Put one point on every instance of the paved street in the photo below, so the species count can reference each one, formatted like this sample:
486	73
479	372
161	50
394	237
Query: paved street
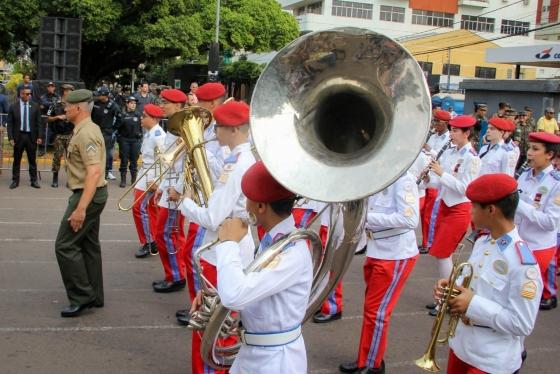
136	331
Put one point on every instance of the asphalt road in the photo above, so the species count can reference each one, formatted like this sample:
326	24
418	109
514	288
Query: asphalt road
136	331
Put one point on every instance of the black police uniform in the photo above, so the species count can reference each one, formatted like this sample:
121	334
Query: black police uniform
46	101
130	142
107	117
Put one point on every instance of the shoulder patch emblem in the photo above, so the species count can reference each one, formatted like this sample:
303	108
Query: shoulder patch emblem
91	149
529	290
525	254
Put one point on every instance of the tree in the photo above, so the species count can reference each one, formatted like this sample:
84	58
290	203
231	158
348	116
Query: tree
120	34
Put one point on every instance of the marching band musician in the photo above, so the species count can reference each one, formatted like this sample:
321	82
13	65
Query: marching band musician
145	211
459	166
170	237
227	200
500	307
496	156
209	95
392	216
436	141
271	302
538	214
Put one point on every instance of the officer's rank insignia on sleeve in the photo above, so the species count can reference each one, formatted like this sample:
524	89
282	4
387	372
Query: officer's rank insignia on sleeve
91	149
529	290
408	212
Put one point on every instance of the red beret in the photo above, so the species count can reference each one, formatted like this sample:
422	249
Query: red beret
210	91
232	113
153	111
463	122
260	186
500	123
442	115
544	137
490	188
174	96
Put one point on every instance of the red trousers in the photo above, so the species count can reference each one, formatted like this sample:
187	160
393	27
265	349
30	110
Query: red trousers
452	224
195	238
198	365
384	282
333	302
456	366
145	213
170	240
546	259
426	213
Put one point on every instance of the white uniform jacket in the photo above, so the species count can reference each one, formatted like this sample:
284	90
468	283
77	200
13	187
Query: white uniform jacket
393	211
436	142
215	154
507	286
174	176
326	222
538	213
226	201
497	158
460	167
152	139
417	167
272	300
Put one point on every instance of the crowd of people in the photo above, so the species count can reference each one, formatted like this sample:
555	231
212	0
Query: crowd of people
495	176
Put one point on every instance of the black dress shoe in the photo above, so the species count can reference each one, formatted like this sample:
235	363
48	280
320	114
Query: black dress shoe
34	184
324	318
143	251
158	282
167	287
423	250
153	248
431	306
13	185
349	367
433	312
75	310
183	320
548	304
182	313
361	251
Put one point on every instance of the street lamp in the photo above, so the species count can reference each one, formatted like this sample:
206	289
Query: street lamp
214	53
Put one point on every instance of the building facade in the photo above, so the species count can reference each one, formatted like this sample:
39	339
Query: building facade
462	21
547	14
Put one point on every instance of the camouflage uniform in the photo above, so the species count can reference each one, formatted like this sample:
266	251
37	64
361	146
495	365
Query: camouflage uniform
62	130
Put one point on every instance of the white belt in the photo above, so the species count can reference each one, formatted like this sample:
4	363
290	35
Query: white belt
270	339
375	235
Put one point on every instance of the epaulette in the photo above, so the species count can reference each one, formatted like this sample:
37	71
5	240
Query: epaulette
157	132
555	174
525	254
473	152
507	147
232	159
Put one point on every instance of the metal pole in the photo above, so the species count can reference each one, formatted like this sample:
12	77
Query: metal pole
217	38
132	79
214	52
448	68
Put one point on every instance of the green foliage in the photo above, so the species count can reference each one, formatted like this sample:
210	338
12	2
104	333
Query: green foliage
15	79
242	71
120	34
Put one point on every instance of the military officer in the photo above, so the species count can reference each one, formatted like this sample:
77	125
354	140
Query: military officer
500	308
538	214
392	216
226	201
145	211
495	156
77	246
106	114
459	166
271	302
170	236
62	129
130	140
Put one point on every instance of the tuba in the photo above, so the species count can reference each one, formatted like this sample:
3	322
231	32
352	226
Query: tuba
336	116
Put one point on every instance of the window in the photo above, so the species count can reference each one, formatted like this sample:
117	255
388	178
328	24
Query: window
352	9
315	8
429	18
299	11
482	72
514	27
391	14
474	23
426	66
451	69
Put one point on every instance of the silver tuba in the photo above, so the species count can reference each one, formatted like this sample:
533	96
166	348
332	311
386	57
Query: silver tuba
336	116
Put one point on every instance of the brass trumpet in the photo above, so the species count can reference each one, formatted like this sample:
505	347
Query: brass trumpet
428	361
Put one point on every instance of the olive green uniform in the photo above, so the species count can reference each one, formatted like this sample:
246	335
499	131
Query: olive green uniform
79	253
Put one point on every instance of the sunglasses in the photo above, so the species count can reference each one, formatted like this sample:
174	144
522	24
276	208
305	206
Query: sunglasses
25	93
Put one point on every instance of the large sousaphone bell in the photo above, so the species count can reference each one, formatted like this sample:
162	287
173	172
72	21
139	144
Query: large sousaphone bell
336	116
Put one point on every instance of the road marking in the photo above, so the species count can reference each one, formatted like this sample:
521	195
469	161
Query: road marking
89	328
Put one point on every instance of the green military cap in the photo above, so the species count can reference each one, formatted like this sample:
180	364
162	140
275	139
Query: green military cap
79	96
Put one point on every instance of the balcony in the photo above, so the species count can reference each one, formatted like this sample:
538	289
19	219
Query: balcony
475	3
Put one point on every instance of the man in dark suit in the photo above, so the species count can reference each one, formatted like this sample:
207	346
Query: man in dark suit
24	122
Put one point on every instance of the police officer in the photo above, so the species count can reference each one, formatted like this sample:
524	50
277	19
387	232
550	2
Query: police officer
130	140
77	246
46	101
62	130
106	114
